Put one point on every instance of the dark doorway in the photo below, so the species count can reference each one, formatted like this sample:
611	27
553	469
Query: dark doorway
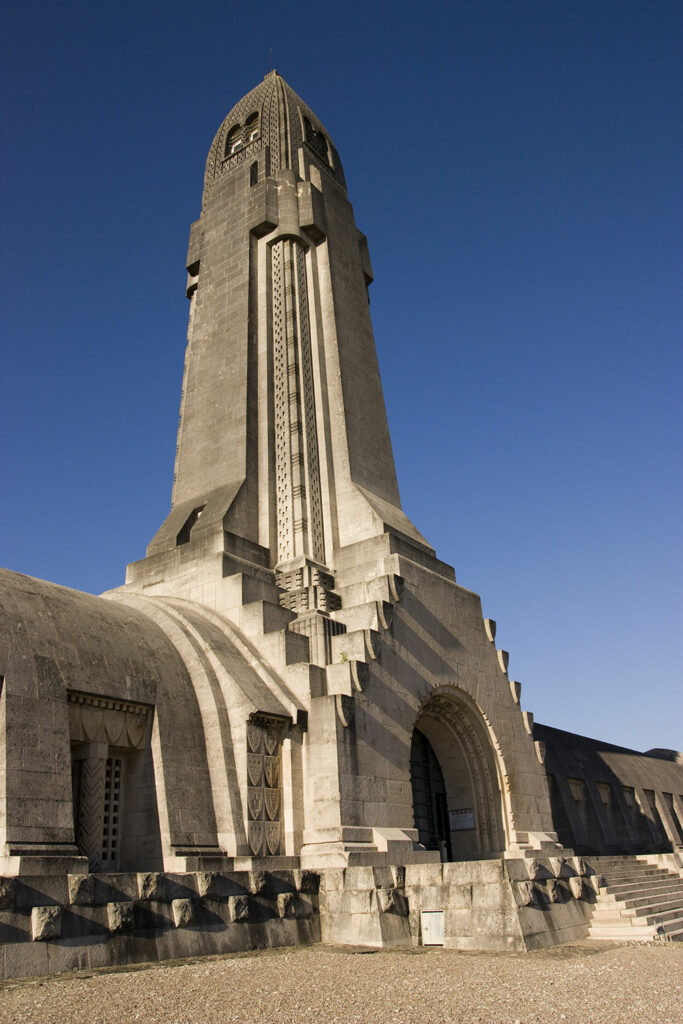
429	797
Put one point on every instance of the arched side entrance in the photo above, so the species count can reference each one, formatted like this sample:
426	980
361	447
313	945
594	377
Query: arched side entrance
457	802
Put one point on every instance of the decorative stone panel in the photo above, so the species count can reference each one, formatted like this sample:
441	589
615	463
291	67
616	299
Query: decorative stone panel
264	792
117	723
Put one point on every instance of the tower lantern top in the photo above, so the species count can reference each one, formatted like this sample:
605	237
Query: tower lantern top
271	118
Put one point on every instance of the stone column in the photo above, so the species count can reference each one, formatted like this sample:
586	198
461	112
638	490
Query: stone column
90	812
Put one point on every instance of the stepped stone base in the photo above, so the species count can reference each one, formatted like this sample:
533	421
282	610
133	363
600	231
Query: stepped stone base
55	923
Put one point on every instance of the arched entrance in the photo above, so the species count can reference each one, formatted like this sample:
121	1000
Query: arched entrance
430	805
457	804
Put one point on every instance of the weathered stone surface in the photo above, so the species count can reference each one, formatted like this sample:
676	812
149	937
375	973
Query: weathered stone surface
120	917
7	893
307	881
151	886
238	908
524	893
46	923
81	890
259	883
183	912
286	904
576	885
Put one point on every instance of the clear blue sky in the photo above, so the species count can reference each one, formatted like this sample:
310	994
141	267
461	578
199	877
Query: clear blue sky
517	169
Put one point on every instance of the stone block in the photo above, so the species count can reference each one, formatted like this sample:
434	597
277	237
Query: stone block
7	893
539	869
391	901
258	883
238	908
286	904
41	891
426	874
81	890
151	886
46	923
332	879
561	867
576	887
456	896
516	869
473	872
524	893
216	886
26	959
115	888
120	917
399	873
307	881
359	878
554	890
357	901
489	896
383	877
183	912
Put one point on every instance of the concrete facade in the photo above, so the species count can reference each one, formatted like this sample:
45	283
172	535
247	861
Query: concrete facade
290	691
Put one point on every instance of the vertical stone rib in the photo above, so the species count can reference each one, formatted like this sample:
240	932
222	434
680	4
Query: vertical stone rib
314	514
299	504
283	480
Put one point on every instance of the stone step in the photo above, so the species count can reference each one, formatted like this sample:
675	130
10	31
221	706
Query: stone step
629	871
610	881
606	915
621	933
260	617
670	898
284	648
673	924
627	865
381	588
627	889
376	615
657	907
241	588
661	918
636	901
661	876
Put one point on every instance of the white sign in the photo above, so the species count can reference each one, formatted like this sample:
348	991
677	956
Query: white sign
462	819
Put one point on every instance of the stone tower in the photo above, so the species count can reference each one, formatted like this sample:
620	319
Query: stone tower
286	523
283	455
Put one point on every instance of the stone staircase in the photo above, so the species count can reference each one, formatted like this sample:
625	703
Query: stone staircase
637	901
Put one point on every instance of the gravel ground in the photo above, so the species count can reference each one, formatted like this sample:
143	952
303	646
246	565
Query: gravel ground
575	984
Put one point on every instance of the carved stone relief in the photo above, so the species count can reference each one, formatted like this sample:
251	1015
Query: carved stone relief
264	793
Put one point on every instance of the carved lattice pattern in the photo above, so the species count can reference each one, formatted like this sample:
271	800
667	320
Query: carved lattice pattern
111	832
297	469
90	810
